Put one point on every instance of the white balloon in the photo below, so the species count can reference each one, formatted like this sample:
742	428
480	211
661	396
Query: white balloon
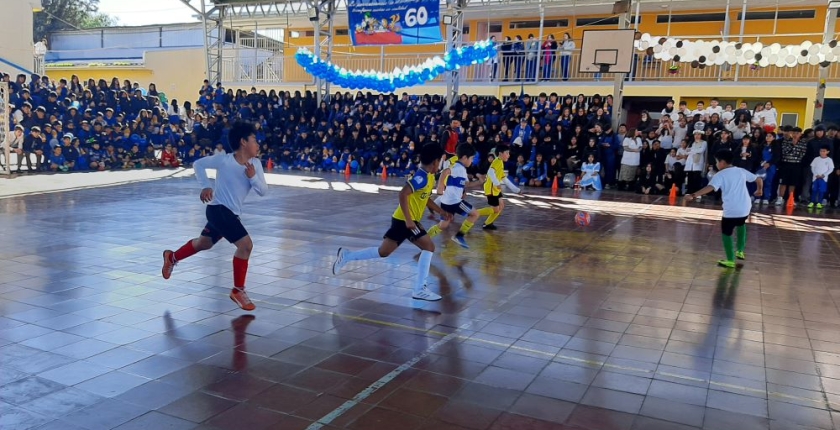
645	37
814	49
657	49
780	62
765	52
682	52
749	55
806	44
836	50
672	51
830	57
711	58
763	62
746	47
742	61
813	60
757	47
730	50
731	59
774	58
802	60
790	59
720	60
645	44
775	48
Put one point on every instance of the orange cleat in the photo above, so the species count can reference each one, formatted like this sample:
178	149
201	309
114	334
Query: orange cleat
168	264
241	299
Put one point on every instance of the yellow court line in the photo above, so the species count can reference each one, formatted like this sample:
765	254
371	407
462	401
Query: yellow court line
595	363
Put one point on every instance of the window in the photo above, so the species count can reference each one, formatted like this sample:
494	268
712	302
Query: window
697	17
783	14
536	24
495	28
602	21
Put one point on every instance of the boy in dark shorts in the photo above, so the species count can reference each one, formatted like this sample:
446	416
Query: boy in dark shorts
732	182
454	182
414	199
496	177
237	174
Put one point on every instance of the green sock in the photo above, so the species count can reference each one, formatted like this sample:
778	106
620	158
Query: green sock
742	238
727	247
465	227
434	230
485	211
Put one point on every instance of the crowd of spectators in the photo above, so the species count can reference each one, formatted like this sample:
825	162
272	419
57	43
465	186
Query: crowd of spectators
64	126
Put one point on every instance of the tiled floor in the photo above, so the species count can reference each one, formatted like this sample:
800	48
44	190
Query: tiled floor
626	324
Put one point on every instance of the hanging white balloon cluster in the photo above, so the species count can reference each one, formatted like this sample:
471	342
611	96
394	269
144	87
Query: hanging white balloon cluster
702	53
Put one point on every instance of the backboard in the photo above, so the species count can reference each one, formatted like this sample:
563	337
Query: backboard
606	51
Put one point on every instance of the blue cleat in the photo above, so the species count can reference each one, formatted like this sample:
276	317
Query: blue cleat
459	239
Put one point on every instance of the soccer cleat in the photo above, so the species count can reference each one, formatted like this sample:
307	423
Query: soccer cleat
490	227
740	255
726	263
811	205
168	264
459	239
339	261
819	205
425	294
241	299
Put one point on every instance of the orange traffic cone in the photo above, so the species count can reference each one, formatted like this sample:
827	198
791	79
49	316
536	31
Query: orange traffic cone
384	173
577	183
270	164
673	194
347	169
791	203
554	185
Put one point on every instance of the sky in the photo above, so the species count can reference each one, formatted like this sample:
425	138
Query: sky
147	12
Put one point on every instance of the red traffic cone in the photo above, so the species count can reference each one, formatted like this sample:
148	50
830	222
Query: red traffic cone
270	165
384	173
347	169
554	185
791	203
673	194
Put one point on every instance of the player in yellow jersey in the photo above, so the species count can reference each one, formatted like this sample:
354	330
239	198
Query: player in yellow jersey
414	199
496	177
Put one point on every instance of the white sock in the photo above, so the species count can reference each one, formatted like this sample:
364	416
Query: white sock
363	254
422	270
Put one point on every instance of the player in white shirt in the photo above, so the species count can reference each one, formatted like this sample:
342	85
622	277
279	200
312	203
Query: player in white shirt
821	167
732	182
452	188
237	174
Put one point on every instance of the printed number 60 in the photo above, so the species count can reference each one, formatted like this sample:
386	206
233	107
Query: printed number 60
416	16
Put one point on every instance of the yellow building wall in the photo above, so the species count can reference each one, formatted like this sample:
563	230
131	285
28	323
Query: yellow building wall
166	69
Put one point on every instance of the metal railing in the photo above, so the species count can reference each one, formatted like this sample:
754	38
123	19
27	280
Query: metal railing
282	68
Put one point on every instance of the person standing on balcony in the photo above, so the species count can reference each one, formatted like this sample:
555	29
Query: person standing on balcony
494	62
506	51
549	49
532	48
519	56
566	49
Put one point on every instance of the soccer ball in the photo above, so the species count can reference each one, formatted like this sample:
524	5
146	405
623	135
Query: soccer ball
583	219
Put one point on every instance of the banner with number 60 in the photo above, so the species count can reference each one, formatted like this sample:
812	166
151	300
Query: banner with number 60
394	22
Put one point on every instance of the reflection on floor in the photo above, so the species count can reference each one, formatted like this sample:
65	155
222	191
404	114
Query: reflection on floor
625	324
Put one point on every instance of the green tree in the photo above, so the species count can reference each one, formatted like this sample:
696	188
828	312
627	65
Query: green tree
60	15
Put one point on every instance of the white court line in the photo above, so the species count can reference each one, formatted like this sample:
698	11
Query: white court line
381	382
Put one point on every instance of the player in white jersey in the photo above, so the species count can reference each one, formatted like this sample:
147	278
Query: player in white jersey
452	187
236	175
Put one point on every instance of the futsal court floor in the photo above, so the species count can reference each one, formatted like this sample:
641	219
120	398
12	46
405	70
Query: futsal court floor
624	324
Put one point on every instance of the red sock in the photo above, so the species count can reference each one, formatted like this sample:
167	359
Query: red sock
240	269
185	251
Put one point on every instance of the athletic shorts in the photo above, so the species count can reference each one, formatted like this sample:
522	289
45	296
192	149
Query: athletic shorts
399	232
222	223
727	225
791	174
494	200
463	208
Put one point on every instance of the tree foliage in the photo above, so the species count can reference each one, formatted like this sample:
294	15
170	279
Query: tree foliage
60	15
